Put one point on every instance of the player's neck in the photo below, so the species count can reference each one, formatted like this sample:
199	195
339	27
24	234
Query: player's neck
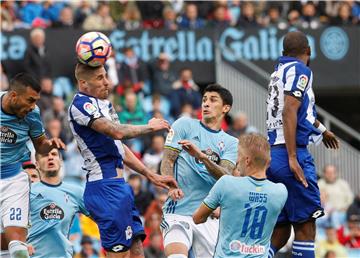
5	104
213	124
51	180
257	174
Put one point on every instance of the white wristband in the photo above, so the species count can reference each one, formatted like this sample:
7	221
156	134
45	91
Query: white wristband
321	128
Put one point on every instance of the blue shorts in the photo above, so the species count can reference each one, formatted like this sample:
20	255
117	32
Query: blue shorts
110	203
303	203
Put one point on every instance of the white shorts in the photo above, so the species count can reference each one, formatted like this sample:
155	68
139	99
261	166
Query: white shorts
201	238
14	201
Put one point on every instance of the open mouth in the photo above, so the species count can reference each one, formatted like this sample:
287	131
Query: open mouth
51	164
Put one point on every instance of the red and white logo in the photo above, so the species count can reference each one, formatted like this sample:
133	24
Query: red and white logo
238	247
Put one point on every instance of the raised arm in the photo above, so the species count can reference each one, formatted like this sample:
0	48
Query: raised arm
126	131
134	163
43	145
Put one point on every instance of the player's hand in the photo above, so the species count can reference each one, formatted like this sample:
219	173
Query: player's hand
31	249
166	182
298	171
157	124
330	141
57	143
216	213
191	148
175	194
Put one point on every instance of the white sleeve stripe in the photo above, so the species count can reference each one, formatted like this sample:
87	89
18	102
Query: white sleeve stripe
78	116
290	77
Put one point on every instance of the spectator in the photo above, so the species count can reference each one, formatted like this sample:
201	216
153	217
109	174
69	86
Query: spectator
31	169
273	18
101	20
51	10
241	125
131	18
162	76
132	70
152	224
169	18
153	156
66	19
8	15
82	12
330	254
234	9
338	191
184	91
36	60
58	112
344	17
309	19
190	19
331	243
294	18
350	236
155	248
46	100
132	113
3	79
151	13
142	198
31	10
247	17
353	211
87	249
53	128
219	20
118	8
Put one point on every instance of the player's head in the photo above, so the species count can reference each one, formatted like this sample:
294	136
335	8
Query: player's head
216	102
92	81
32	171
24	92
296	44
49	164
253	154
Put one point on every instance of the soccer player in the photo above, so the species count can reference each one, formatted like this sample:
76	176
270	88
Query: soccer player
292	125
53	205
20	122
249	205
98	132
197	153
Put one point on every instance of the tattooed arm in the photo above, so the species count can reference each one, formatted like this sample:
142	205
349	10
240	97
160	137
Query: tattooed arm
126	131
224	168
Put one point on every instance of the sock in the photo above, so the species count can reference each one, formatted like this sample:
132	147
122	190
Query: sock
18	249
272	251
303	249
177	256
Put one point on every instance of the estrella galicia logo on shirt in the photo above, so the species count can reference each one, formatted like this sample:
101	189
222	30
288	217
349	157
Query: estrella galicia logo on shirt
52	211
7	135
212	155
334	43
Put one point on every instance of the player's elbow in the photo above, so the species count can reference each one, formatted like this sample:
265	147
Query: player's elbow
197	219
118	135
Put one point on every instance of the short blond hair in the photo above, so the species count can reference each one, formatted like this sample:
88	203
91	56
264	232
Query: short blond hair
257	146
83	71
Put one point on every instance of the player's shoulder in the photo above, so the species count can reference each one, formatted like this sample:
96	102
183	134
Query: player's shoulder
230	139
34	114
72	188
185	122
301	68
81	99
278	188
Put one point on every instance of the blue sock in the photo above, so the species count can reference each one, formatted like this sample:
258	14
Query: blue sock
303	249
272	251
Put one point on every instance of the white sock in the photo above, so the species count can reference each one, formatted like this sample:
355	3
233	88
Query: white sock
177	256
18	249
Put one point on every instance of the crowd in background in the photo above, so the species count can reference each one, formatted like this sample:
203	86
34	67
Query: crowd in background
144	90
172	15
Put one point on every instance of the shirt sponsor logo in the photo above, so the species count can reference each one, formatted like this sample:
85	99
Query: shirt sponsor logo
170	136
52	211
211	155
90	108
238	247
302	82
7	135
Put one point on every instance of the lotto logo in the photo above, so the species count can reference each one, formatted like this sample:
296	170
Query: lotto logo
318	214
117	248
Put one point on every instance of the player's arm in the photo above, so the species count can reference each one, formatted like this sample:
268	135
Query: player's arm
329	138
134	163
202	213
127	131
225	167
289	116
43	145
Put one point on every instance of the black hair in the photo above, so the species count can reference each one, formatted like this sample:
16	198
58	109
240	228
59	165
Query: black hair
224	93
23	80
295	44
134	176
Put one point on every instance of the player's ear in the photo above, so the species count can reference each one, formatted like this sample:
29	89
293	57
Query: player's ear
226	109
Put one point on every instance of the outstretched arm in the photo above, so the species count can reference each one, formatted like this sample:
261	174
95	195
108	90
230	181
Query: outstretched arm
134	163
126	131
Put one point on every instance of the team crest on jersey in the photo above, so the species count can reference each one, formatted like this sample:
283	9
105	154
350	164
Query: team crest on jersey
90	108
170	136
7	135
128	233
52	212
221	146
302	82
212	155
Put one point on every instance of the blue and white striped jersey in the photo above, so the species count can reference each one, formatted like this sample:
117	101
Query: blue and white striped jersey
102	154
291	77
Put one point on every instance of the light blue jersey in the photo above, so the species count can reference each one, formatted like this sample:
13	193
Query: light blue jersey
192	176
14	134
249	211
52	210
